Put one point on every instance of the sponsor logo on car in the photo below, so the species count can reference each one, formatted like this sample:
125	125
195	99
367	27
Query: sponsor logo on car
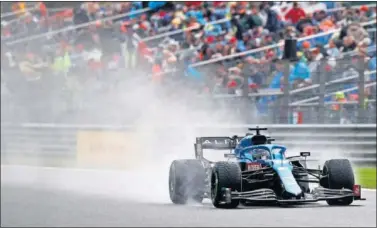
253	166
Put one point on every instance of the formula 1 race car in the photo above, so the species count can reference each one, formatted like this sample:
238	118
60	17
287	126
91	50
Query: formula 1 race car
261	173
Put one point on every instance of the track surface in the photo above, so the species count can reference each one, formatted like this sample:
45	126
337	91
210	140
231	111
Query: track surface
42	201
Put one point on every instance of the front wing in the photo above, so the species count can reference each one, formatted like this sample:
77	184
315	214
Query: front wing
268	196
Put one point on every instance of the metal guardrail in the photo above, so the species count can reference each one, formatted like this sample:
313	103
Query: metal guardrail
51	140
54	32
8	14
367	85
178	31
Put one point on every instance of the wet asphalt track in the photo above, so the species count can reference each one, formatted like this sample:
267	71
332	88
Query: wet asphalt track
28	204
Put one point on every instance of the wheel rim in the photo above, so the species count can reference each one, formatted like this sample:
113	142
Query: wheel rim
325	171
172	180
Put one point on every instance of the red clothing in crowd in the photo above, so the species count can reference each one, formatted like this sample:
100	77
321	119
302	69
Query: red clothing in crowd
68	13
156	73
95	65
43	9
217	3
143	49
196	4
295	14
232	84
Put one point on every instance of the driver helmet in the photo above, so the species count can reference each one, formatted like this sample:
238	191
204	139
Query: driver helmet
260	154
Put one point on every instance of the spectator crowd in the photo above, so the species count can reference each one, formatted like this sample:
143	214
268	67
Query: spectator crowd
159	37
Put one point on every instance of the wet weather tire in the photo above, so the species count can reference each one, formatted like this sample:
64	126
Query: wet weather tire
225	175
186	181
339	175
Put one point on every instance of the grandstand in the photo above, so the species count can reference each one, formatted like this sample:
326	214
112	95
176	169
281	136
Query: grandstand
220	49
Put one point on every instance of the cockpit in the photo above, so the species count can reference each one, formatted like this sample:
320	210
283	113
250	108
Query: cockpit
260	154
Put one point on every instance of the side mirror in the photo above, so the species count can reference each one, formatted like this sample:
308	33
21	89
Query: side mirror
304	154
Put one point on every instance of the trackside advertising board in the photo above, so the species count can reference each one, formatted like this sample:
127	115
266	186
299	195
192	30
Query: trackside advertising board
106	149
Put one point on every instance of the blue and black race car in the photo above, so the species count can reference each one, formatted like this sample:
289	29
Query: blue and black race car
261	173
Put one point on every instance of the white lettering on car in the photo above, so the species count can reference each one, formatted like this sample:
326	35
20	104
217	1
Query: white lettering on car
216	142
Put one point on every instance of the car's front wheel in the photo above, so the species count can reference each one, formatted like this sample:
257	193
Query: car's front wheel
225	175
338	174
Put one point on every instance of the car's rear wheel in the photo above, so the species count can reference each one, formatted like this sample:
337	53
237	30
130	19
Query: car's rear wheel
186	181
338	174
225	175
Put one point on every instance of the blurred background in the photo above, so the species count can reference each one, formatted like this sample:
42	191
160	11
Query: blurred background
103	63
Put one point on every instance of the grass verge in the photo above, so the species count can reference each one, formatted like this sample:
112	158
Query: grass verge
366	177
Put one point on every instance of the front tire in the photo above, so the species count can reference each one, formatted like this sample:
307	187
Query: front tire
339	175
225	175
186	181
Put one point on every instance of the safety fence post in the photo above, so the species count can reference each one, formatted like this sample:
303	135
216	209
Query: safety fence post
361	66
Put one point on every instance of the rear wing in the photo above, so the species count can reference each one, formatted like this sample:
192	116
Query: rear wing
218	143
214	143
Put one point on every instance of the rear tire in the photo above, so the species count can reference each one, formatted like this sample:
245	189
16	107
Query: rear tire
339	175
225	175
186	181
